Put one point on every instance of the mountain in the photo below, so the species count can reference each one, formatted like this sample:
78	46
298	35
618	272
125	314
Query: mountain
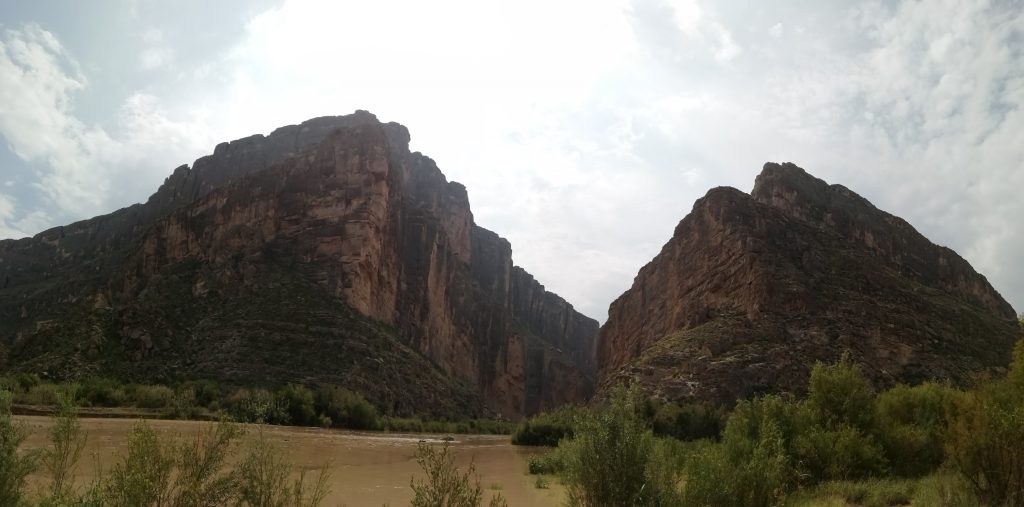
753	289
326	252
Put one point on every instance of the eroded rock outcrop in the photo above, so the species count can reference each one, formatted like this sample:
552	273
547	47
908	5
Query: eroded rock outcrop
752	289
336	212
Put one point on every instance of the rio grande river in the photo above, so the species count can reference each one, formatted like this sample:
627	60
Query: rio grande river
366	469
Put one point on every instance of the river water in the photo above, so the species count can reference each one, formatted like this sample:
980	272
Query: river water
366	469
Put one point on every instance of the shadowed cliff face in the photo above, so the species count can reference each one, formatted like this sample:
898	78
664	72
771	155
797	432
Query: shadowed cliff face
335	211
752	289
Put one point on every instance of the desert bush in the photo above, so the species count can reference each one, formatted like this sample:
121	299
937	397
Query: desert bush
184	405
15	466
753	465
265	479
773	444
40	394
298	403
257	406
60	459
943	489
444	485
866	493
201	476
25	381
689	421
1015	377
840	453
207	392
909	422
101	392
983	443
346	409
547	428
612	460
143	476
157	471
840	395
550	462
402	424
152	396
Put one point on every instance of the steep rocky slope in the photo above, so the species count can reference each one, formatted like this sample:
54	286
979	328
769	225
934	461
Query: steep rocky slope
752	289
324	252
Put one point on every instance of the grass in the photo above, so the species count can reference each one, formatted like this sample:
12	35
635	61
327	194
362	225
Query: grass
941	489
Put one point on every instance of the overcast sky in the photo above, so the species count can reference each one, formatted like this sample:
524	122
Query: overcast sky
584	130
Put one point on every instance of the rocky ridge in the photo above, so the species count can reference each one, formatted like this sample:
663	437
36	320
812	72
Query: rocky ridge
752	289
324	252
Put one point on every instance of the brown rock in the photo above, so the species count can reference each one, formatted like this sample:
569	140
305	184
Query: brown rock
753	289
331	215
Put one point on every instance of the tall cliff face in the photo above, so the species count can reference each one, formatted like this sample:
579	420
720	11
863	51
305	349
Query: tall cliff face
752	289
336	211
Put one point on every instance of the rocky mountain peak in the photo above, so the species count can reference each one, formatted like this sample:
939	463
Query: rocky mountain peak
752	289
324	252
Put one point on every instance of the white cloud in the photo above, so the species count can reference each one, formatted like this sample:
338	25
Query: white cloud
696	24
7	230
156	52
82	170
583	130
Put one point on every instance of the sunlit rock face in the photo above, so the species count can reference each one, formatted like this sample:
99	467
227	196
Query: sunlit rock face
753	289
324	252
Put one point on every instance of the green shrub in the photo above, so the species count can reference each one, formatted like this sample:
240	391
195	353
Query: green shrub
258	406
41	394
743	429
983	443
731	473
867	493
909	422
944	490
101	392
444	485
264	479
547	428
207	392
184	405
838	454
60	458
298	403
689	421
26	381
840	395
550	462
155	396
1016	375
14	465
143	476
611	459
195	473
346	409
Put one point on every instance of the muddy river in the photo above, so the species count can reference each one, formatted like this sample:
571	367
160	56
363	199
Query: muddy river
366	469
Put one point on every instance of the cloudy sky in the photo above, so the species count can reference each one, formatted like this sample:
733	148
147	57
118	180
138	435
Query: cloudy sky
584	130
